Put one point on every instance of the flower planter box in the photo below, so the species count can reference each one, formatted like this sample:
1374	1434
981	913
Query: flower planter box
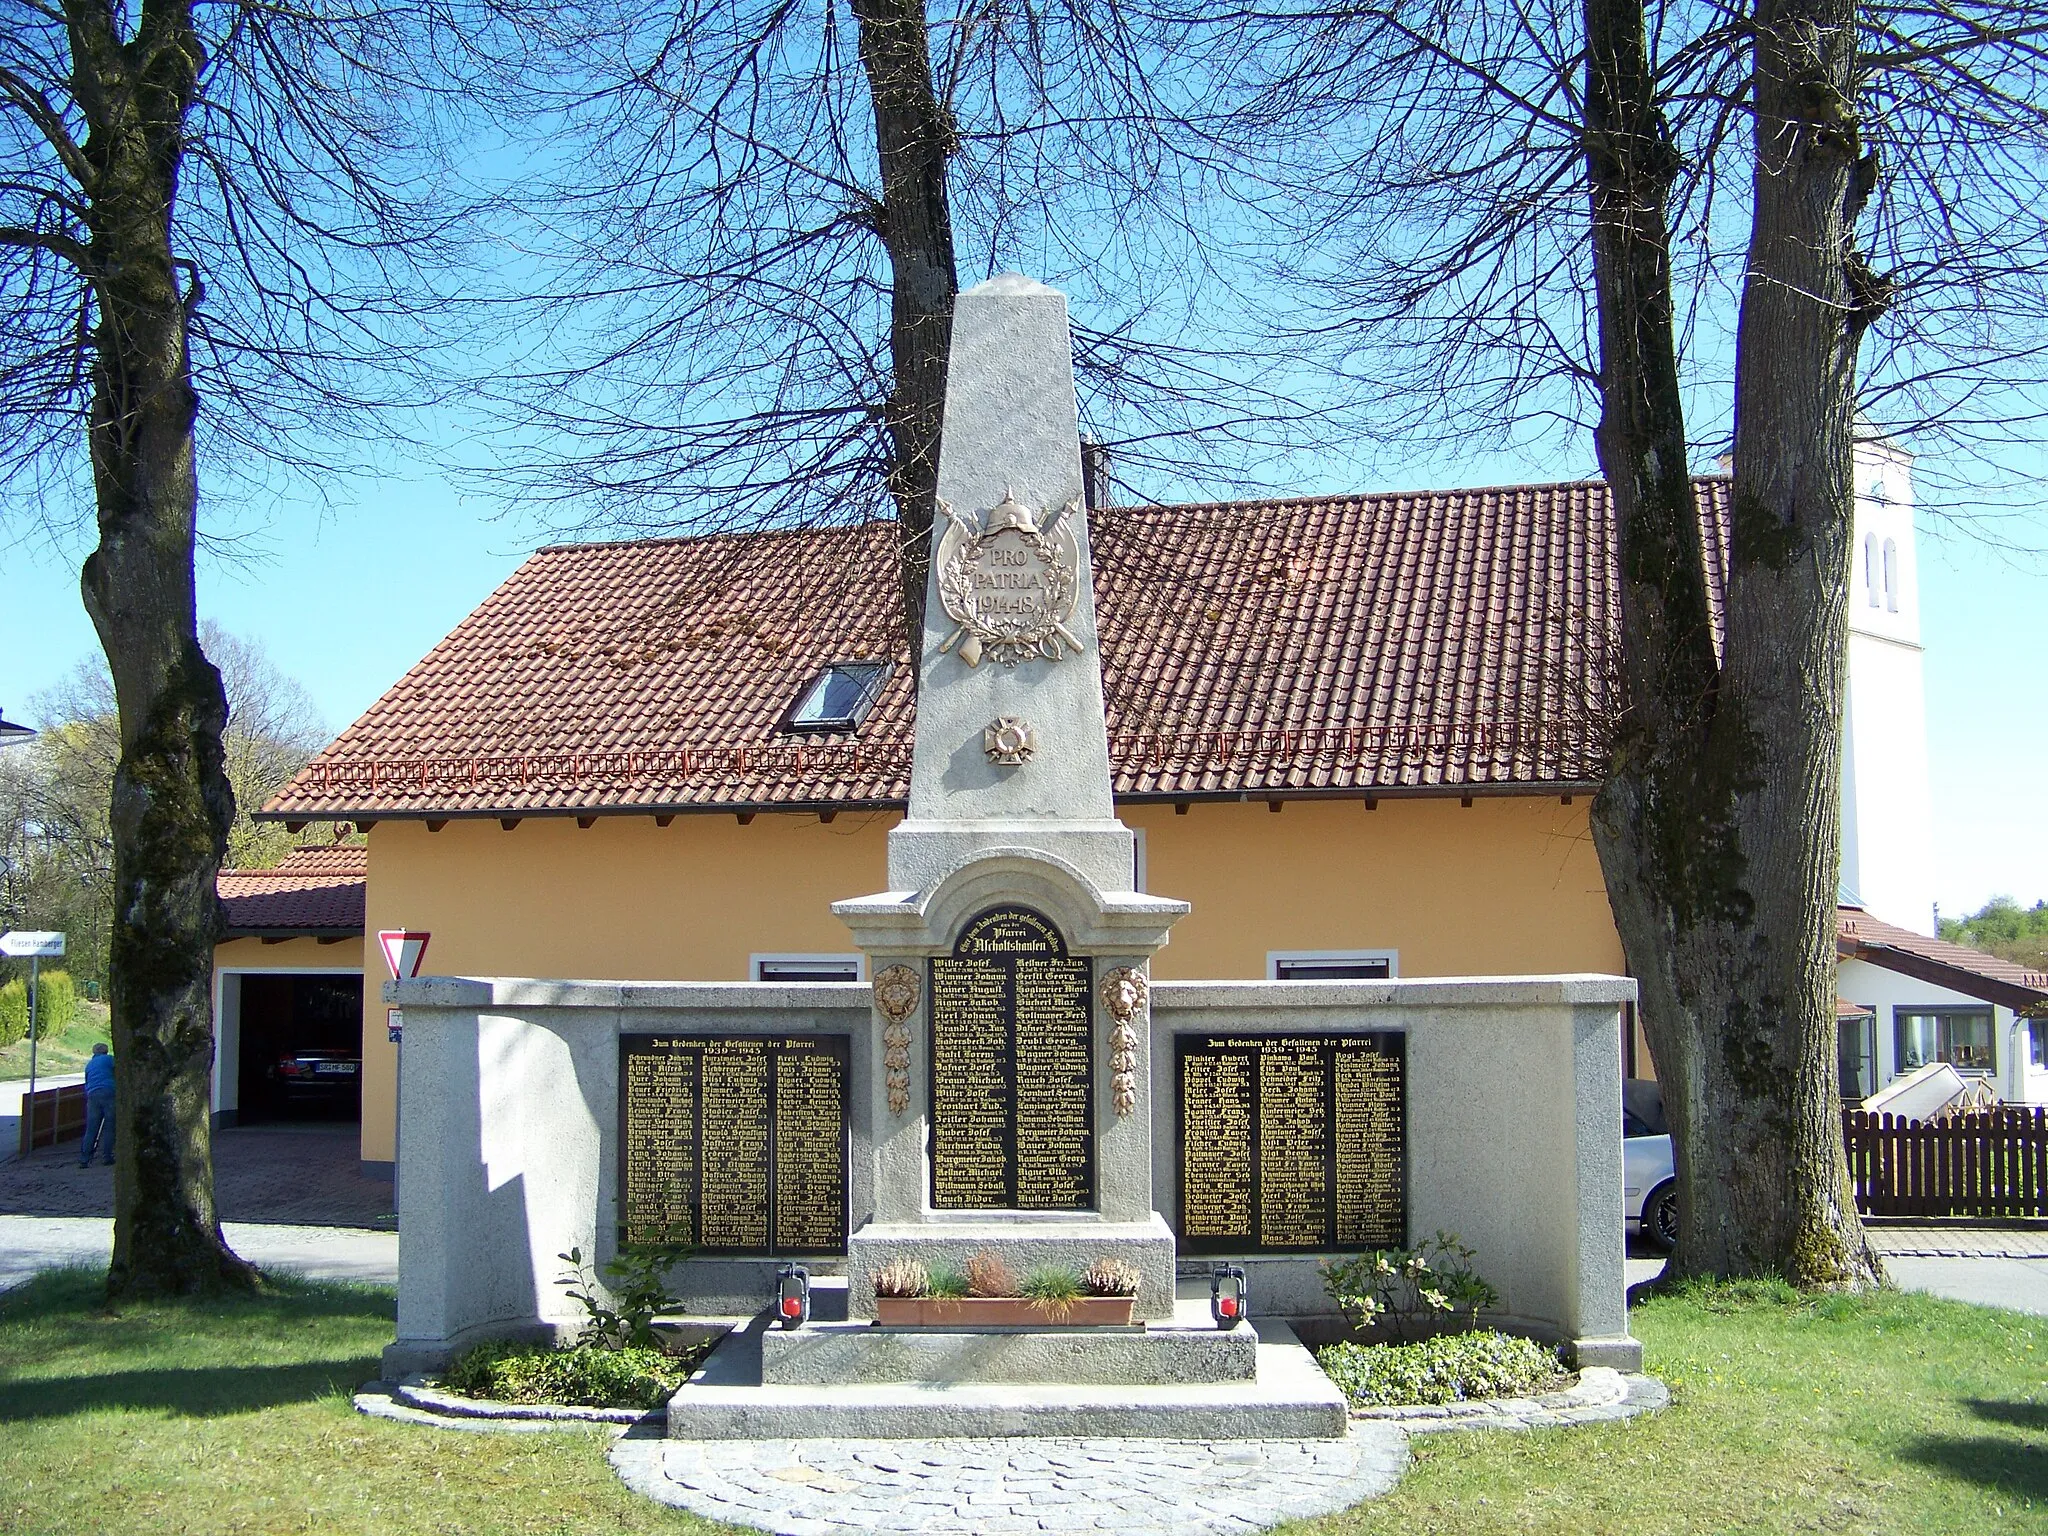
1002	1312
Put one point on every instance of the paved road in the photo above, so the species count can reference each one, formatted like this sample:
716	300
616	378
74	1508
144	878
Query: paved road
32	1243
2021	1284
300	1175
2001	1269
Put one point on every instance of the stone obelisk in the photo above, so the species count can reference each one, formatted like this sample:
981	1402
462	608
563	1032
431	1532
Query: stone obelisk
1010	454
1012	823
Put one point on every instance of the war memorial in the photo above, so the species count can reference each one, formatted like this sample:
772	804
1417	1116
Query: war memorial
1009	1082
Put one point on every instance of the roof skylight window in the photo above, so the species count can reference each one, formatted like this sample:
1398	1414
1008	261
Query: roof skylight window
839	697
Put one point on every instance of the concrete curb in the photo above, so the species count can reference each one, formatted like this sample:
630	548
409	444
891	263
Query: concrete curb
1599	1396
411	1402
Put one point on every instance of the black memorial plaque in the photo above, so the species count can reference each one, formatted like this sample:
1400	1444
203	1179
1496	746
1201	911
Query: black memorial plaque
734	1143
1013	1069
1292	1143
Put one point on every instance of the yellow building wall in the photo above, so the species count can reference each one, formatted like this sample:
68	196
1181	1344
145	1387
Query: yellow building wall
288	955
1506	886
621	900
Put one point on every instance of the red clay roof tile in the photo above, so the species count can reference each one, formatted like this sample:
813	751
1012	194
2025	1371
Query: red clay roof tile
1432	642
314	890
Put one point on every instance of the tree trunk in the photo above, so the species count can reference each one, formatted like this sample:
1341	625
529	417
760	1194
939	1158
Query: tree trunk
171	802
1718	827
915	140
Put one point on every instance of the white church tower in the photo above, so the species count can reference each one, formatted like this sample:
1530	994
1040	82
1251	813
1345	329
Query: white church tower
1887	805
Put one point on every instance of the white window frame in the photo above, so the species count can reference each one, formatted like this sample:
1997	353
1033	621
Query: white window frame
755	962
1275	957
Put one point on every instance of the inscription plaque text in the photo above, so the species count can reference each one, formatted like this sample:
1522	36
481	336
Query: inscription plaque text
735	1143
1013	1069
1292	1142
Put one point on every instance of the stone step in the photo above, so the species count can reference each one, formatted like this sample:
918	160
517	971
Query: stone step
854	1354
1289	1399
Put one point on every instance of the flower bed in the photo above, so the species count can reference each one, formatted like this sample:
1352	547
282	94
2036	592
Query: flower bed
986	1294
1452	1368
582	1375
1002	1312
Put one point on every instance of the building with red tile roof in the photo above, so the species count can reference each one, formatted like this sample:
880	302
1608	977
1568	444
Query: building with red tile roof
599	772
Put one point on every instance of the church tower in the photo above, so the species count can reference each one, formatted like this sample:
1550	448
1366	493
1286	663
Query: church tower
1887	804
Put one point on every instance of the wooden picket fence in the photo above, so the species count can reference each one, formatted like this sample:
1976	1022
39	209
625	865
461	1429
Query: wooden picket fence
1990	1163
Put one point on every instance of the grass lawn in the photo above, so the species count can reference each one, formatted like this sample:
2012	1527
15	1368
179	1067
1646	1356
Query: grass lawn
1887	1414
62	1052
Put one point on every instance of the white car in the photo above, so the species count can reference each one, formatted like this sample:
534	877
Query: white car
1649	1187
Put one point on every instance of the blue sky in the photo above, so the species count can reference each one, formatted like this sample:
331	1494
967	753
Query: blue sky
348	595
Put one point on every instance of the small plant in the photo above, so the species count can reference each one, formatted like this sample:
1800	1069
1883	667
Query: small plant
1411	1292
585	1375
620	1310
903	1277
1451	1369
1055	1288
988	1275
946	1284
1112	1277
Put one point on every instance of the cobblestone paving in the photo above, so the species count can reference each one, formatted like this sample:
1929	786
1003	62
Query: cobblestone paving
1013	1487
1958	1242
306	1175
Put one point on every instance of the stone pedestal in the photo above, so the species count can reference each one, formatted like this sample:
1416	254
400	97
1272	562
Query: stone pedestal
1011	812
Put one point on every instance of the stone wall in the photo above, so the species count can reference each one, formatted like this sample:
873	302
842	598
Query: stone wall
509	1109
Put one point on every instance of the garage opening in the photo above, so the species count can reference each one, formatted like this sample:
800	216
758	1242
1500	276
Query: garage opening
300	1048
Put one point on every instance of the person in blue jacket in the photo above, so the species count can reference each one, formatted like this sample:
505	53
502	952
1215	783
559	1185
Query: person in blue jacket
99	1104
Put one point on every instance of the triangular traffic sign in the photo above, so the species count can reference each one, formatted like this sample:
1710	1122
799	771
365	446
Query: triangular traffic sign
403	951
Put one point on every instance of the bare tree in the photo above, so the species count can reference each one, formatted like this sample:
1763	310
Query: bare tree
758	228
216	217
56	839
1726	155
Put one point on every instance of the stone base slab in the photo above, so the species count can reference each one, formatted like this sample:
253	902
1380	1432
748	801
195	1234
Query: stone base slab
1024	1241
1289	1399
1617	1352
848	1354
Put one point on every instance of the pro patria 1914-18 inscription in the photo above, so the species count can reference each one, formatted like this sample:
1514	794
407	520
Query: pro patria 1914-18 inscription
734	1143
1013	1082
1292	1142
1010	584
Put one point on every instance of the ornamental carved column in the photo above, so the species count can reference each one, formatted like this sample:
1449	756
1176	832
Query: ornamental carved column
1125	993
897	993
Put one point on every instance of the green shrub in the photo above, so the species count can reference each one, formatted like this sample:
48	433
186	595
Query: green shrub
56	1007
1408	1293
1450	1368
621	1308
13	1012
56	1004
583	1375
